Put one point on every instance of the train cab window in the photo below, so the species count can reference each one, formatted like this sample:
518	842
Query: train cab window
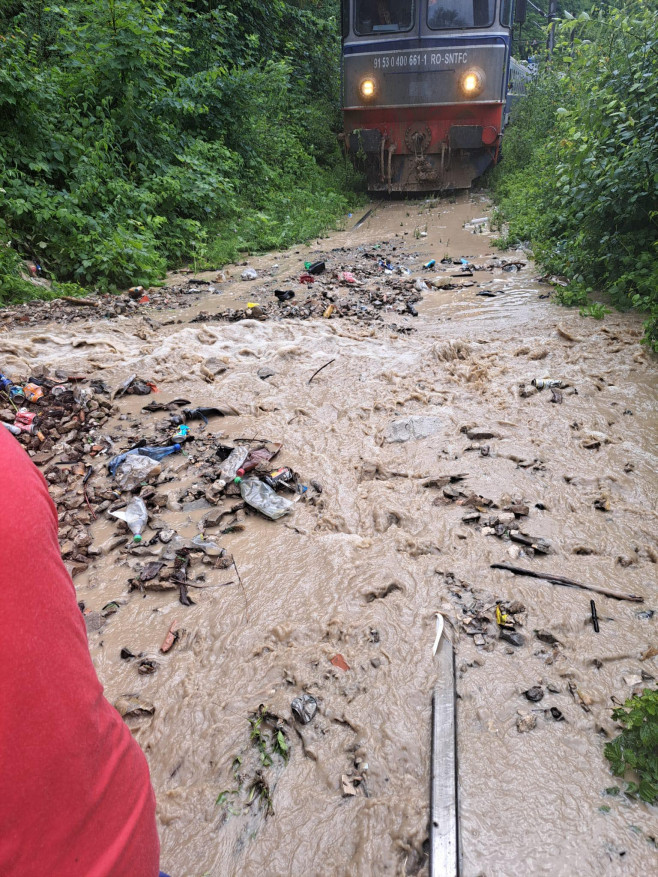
383	16
447	14
506	13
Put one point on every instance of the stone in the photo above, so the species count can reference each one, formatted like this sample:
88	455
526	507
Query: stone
480	433
526	723
415	427
513	637
535	694
546	636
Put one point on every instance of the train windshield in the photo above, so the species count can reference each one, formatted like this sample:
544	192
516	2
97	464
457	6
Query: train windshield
447	14
383	16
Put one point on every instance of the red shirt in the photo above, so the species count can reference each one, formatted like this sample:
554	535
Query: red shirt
75	793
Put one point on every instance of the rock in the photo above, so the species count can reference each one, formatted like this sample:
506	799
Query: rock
74	569
479	640
93	620
304	708
166	536
415	427
480	433
526	723
546	637
506	517
131	706
632	679
513	637
213	518
67	548
265	372
535	694
553	688
516	607
82	539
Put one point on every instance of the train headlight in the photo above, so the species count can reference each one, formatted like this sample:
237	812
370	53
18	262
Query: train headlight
472	82
367	89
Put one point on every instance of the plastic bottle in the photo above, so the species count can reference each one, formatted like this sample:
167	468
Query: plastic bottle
14	430
261	497
210	548
136	516
154	453
5	383
230	466
540	383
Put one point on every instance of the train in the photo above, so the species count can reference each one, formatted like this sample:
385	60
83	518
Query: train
425	88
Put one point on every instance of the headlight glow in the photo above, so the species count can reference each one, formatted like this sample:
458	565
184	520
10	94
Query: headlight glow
471	83
367	88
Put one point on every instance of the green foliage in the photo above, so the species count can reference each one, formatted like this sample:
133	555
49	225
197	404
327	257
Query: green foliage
595	310
579	178
136	135
636	748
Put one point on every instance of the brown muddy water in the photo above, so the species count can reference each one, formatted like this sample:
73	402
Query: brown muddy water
361	569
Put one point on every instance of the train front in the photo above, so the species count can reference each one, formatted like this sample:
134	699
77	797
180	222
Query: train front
424	86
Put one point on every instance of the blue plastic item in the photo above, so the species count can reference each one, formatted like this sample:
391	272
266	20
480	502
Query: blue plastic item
153	453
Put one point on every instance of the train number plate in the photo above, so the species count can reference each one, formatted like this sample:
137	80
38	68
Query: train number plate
420	61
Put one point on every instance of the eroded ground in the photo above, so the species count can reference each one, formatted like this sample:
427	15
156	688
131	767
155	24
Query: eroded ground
360	568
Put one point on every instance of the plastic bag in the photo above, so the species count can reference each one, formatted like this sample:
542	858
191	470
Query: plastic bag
261	497
135	469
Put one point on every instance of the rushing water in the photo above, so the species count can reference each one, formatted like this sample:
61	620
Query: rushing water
361	569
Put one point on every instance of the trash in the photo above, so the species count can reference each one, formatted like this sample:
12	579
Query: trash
340	662
329	311
229	468
307	278
5	383
264	499
249	274
526	723
132	707
284	294
347	277
277	477
569	583
430	264
14	430
204	413
156	454
347	784
182	432
540	383
135	469
315	267
304	708
317	371
136	516
542	546
170	638
257	457
557	714
135	386
535	694
421	286
146	667
126	654
136	292
33	392
595	617
24	420
415	427
212	549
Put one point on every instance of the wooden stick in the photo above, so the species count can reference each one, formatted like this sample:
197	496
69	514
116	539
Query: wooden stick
568	583
82	302
244	593
320	369
444	849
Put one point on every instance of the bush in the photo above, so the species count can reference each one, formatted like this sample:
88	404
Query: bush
580	174
636	748
137	136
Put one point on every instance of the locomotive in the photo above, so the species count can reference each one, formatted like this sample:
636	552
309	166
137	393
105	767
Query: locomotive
424	88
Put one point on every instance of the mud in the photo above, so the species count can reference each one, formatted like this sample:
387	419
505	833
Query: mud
359	569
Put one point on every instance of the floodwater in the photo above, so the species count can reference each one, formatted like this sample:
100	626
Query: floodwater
361	569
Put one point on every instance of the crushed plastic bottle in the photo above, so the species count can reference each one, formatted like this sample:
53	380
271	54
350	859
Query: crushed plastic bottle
135	469
540	383
136	516
261	497
230	466
210	548
154	453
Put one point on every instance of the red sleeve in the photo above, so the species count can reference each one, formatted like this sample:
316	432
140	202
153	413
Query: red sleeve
75	793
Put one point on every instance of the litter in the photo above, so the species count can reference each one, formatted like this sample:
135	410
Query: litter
264	499
249	274
136	516
304	708
569	583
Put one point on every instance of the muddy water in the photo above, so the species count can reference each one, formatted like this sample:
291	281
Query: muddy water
362	569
